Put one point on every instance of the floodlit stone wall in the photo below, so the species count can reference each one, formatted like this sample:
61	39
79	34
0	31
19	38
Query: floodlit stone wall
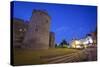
37	35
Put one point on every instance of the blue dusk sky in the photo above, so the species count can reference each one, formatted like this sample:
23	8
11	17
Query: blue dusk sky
67	21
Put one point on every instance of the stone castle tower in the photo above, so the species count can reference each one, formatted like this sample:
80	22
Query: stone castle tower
37	35
19	29
52	40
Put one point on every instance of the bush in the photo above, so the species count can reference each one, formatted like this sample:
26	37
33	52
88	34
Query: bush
65	46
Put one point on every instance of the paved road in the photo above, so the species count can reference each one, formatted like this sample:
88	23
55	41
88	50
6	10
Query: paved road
88	54
91	54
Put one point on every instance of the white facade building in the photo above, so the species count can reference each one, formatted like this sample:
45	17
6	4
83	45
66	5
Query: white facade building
82	43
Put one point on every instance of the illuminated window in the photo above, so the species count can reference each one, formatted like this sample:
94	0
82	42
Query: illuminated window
20	30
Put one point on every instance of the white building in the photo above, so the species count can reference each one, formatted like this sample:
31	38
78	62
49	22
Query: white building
82	43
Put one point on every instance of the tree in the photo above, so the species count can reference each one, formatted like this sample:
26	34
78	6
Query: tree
55	45
64	43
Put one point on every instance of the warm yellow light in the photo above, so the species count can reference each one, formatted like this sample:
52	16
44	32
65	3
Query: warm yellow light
73	44
85	46
77	42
